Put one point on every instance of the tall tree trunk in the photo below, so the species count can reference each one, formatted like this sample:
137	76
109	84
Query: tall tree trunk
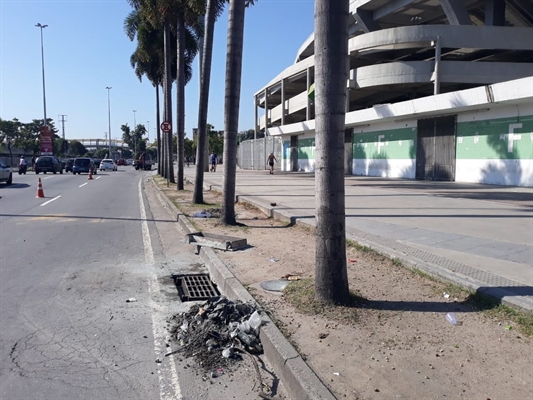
158	129
331	74
205	82
167	96
231	107
180	96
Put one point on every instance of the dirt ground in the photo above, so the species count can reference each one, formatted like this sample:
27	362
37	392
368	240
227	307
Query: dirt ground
397	342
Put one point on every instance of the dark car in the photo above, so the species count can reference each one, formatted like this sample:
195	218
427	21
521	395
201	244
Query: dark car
48	164
121	161
84	164
68	165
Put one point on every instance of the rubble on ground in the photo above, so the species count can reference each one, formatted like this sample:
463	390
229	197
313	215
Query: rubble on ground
216	333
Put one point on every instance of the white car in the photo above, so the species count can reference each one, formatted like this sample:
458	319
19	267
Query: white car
106	164
6	173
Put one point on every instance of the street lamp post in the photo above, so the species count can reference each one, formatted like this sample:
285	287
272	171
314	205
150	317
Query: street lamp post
134	126
109	117
39	25
148	131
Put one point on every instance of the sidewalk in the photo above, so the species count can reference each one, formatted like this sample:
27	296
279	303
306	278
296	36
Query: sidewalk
478	236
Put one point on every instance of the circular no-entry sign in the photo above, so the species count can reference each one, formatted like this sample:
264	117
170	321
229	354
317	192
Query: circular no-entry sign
166	126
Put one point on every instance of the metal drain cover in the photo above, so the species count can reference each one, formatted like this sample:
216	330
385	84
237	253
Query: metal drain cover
195	287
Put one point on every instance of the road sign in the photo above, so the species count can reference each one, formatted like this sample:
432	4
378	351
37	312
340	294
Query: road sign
166	126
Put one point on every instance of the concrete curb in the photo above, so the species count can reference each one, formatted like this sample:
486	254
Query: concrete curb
297	377
507	298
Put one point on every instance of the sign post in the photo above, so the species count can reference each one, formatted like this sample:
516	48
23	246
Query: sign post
166	127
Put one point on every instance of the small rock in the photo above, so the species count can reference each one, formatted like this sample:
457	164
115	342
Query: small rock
158	361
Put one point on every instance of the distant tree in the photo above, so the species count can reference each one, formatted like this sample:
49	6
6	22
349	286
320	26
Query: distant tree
216	141
60	146
77	148
9	131
188	146
249	135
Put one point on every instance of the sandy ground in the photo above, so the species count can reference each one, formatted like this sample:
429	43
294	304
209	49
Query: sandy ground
398	343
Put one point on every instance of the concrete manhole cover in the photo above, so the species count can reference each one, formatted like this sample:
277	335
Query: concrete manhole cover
276	285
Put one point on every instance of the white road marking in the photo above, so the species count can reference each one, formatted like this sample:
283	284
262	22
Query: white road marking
169	387
83	184
98	177
49	201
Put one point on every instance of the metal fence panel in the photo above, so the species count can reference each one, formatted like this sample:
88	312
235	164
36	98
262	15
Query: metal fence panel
252	154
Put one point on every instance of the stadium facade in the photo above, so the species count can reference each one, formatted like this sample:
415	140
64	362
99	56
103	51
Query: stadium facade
438	90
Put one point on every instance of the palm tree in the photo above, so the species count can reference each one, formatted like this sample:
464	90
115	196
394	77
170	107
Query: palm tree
162	13
231	105
331	74
147	60
188	31
213	10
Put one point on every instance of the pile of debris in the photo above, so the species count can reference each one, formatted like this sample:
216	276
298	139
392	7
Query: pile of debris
216	333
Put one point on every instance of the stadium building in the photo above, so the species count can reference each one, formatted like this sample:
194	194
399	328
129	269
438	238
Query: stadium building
437	90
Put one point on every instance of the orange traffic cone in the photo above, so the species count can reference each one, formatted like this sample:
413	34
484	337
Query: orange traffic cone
40	191
90	173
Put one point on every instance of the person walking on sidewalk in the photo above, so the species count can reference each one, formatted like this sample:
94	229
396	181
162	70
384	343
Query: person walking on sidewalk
271	158
213	161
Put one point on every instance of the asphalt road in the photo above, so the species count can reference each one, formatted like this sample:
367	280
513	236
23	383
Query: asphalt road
68	264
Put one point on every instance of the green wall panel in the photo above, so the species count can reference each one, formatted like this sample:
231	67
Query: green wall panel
505	138
306	149
389	144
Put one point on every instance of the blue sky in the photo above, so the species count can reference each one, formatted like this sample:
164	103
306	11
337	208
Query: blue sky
85	50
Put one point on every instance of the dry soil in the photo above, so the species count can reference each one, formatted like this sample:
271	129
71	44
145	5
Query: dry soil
397	342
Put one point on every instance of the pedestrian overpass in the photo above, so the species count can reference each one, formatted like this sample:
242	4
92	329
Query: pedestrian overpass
96	144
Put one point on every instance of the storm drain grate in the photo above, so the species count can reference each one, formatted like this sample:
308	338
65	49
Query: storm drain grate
195	287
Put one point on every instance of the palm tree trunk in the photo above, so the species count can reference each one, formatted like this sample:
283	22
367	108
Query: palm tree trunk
180	95
158	129
331	74
205	82
231	107
167	100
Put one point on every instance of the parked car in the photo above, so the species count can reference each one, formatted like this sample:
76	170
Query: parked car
106	164
48	164
6	173
69	164
129	161
121	161
84	164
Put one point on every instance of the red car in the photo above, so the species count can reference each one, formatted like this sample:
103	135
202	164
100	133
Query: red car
121	161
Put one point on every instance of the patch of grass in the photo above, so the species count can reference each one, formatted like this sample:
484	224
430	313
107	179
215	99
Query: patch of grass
397	262
301	295
350	244
490	306
493	309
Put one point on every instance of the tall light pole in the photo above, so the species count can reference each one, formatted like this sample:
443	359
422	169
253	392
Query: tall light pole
109	117
134	126
148	131
39	25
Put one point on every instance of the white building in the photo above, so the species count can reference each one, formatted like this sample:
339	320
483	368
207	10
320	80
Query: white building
438	89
